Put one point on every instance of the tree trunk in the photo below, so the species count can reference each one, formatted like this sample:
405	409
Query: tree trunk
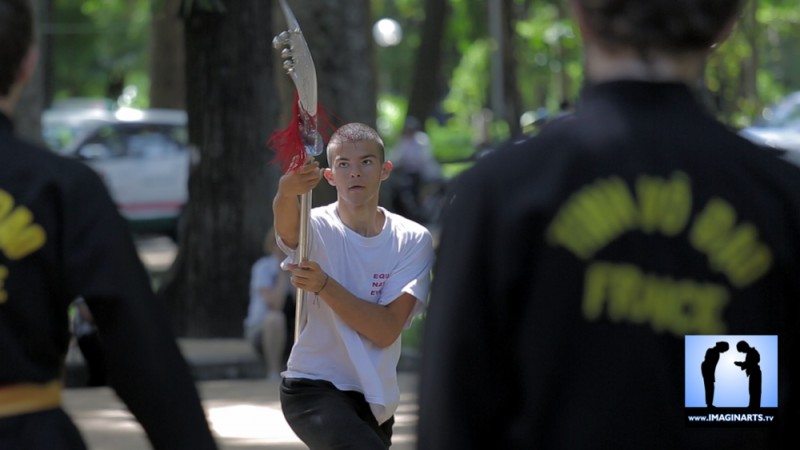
167	56
339	36
564	80
425	82
28	115
751	30
513	106
233	107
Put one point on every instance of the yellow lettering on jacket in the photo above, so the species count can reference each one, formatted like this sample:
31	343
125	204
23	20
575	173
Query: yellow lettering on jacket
604	210
625	293
664	205
593	217
600	212
19	235
733	249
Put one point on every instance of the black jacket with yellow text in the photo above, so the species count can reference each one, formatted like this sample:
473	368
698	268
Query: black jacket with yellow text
572	264
61	237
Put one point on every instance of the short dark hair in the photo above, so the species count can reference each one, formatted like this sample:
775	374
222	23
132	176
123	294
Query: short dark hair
16	37
355	132
671	25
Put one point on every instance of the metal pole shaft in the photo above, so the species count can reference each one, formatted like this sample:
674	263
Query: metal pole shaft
302	249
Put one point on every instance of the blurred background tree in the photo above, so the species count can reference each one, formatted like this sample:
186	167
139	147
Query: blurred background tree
754	68
101	46
475	72
232	107
167	56
36	93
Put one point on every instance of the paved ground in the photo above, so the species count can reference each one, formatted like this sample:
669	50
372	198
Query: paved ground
242	408
242	413
157	252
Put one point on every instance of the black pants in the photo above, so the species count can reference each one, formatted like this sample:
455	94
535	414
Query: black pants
45	430
324	417
708	382
754	388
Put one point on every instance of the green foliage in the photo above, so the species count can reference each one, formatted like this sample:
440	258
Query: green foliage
469	84
548	57
765	36
467	23
97	42
395	64
550	67
391	115
100	43
452	141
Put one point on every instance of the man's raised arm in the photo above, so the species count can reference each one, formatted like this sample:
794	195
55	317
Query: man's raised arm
285	206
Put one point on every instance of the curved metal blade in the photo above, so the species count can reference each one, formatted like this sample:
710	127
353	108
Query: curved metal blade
304	74
291	20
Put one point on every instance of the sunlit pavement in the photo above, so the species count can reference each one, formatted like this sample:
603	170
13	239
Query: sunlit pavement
242	414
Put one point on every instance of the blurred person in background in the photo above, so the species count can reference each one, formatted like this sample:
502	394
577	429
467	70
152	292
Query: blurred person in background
61	237
415	172
89	343
573	264
266	324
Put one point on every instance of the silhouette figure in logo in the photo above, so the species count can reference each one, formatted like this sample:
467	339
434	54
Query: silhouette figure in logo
753	371
709	366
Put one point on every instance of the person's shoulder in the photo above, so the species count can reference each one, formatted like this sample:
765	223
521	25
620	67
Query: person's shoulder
527	159
779	165
324	212
406	227
325	217
47	164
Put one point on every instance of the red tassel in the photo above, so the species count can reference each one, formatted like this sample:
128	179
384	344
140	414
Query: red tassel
288	142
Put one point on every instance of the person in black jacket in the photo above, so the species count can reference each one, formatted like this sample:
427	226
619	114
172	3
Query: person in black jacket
571	265
61	237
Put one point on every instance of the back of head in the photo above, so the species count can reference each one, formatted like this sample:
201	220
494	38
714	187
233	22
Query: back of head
742	346
667	25
16	37
355	132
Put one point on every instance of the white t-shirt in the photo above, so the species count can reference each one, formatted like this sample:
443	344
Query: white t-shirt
264	274
377	269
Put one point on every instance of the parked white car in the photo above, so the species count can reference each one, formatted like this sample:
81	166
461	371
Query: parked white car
62	126
779	127
144	159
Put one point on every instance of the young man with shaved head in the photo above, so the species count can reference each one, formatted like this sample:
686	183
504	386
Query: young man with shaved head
366	277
